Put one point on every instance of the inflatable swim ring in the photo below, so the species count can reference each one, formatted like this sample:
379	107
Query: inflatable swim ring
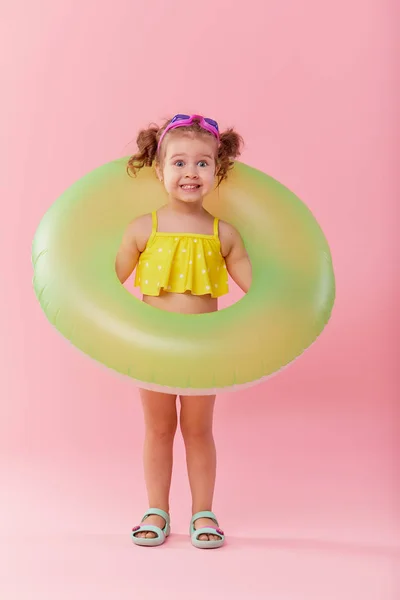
285	310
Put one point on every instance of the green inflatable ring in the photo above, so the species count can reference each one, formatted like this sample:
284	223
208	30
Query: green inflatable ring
286	308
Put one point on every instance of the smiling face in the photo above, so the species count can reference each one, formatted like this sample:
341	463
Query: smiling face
188	166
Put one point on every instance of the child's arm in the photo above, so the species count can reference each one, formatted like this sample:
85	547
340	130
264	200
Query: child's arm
133	243
128	254
236	257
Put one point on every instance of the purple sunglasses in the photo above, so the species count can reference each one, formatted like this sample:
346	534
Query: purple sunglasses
184	120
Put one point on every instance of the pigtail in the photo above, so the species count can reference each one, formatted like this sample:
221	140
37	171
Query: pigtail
229	148
146	141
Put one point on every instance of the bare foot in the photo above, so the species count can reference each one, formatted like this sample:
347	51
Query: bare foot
151	520
200	523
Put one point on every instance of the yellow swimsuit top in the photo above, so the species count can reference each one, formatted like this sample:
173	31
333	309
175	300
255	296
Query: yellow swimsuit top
181	262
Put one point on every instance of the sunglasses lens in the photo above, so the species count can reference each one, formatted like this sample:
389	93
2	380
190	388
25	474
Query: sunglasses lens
179	118
212	123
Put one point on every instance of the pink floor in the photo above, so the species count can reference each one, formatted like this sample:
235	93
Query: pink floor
107	566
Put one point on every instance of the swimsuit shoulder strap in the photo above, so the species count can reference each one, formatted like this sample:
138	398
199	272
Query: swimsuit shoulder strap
216	221
154	221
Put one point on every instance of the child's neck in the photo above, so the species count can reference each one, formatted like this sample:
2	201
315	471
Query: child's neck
185	208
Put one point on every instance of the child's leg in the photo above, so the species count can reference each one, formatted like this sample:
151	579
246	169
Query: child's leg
196	422
160	418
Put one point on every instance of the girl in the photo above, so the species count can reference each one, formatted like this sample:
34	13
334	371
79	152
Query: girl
182	255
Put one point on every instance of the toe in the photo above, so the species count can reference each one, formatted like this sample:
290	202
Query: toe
203	537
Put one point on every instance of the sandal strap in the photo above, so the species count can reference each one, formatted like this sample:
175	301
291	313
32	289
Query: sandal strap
209	531
153	528
204	514
159	513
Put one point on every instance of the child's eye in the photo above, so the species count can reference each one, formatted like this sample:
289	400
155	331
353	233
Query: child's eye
203	163
179	163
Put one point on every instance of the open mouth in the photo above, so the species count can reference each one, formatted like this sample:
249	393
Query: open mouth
189	187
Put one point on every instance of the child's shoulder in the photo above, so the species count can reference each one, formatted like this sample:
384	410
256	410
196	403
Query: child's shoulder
229	237
140	229
227	231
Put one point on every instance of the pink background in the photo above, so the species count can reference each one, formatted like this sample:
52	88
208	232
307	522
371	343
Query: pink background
308	487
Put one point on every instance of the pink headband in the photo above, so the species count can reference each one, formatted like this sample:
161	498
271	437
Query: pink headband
185	120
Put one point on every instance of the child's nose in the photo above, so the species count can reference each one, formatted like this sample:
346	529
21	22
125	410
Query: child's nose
192	172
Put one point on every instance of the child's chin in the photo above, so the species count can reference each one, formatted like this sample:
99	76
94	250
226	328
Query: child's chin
190	197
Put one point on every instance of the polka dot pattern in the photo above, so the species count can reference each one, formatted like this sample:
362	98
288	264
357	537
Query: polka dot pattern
180	262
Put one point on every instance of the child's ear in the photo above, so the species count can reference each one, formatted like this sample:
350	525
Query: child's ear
159	172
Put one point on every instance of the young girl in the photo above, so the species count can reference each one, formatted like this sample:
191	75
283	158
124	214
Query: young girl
182	255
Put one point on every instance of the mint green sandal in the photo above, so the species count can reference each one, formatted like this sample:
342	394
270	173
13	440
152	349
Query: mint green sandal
196	533
162	534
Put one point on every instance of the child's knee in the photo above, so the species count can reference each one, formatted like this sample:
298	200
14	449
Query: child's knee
192	431
161	431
